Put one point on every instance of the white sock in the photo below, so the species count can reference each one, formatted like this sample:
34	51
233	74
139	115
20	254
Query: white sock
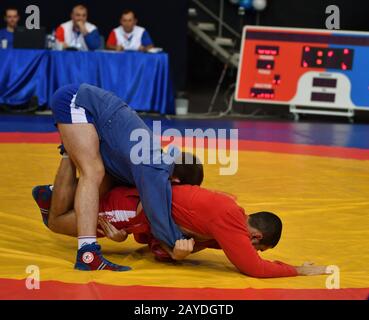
85	240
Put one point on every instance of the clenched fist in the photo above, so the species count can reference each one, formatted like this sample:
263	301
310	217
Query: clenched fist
182	248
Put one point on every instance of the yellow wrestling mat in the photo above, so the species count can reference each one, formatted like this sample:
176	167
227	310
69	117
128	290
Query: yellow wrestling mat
322	201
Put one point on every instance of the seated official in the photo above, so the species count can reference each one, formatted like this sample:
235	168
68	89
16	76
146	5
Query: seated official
129	36
77	33
11	18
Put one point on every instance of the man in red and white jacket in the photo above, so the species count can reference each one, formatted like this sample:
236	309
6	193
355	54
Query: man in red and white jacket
129	36
77	33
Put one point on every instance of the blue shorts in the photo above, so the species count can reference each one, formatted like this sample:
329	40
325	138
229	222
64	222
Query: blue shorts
64	109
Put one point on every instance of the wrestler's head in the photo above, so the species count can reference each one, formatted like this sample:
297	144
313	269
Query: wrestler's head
265	229
188	169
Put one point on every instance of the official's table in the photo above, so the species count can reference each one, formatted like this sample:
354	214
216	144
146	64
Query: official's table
140	79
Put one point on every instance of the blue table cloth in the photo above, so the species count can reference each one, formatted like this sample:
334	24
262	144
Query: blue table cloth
140	79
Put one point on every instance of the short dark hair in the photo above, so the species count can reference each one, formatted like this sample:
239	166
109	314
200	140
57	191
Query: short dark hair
127	11
269	224
81	6
188	169
10	8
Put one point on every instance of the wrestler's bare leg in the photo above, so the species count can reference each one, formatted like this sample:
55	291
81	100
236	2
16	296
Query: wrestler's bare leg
62	217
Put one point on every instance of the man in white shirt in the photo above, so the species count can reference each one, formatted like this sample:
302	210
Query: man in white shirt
129	36
77	33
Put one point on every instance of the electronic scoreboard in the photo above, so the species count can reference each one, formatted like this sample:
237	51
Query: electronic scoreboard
305	67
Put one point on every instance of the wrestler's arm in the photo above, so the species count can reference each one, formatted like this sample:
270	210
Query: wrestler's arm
238	248
155	192
180	251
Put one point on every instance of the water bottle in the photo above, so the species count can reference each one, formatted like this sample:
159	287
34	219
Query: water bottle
4	43
51	41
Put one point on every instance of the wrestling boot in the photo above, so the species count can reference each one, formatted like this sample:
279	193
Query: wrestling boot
89	258
42	196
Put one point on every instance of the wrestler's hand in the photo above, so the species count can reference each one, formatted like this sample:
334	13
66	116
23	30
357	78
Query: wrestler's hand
183	248
110	231
308	269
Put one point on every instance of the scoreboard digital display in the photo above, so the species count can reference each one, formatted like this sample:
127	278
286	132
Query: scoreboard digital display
317	57
306	67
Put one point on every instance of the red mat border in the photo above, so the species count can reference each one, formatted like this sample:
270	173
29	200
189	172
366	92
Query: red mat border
276	147
54	290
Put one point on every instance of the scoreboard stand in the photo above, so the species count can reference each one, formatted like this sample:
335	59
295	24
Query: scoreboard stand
296	111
